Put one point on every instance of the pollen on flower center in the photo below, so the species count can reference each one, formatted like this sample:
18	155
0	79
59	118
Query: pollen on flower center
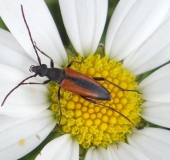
93	124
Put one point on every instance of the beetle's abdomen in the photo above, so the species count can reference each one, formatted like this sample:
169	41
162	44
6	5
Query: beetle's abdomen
84	86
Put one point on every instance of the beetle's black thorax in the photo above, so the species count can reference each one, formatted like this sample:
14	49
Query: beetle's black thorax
55	74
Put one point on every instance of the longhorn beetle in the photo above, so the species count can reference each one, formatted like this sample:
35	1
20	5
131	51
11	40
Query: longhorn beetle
69	79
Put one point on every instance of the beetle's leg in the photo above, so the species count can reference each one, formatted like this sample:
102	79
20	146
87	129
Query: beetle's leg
71	62
43	83
89	100
58	96
104	79
94	102
51	60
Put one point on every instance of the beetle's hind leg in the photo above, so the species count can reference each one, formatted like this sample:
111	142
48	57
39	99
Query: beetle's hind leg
104	79
94	102
73	61
59	107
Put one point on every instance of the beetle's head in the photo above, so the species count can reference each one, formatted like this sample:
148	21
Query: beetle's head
41	70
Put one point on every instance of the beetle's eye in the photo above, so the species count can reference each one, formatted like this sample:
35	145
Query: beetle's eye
31	67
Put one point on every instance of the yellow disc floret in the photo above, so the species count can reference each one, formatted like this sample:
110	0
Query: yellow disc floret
95	124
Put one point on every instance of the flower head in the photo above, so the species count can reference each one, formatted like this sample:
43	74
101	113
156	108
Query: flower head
137	41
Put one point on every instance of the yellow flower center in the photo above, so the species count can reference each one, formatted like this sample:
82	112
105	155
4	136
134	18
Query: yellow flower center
93	124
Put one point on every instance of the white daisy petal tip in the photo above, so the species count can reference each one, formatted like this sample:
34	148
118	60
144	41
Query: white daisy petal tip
64	147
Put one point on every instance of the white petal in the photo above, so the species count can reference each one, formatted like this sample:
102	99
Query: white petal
153	142
19	136
157	113
84	22
63	148
156	87
41	25
12	53
123	151
134	22
154	52
25	100
96	153
8	40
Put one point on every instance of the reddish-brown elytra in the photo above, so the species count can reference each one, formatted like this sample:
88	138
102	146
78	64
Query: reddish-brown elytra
68	79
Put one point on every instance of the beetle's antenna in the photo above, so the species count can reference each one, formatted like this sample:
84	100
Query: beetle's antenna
29	32
105	106
21	83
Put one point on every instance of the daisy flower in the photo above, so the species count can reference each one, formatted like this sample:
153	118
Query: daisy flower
137	41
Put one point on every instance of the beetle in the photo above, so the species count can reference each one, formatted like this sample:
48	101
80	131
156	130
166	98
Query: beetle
68	79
